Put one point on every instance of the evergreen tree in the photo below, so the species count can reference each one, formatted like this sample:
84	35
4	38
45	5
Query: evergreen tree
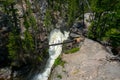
105	26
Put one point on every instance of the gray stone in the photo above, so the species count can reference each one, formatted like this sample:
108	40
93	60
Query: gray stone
5	74
90	63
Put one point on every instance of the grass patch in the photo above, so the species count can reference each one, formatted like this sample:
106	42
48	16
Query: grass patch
59	76
59	61
73	50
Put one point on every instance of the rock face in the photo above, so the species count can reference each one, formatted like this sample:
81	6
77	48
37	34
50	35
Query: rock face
90	63
5	74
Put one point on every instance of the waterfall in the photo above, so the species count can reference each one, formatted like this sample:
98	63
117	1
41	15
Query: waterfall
56	36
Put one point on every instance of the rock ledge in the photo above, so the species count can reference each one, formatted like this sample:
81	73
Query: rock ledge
89	63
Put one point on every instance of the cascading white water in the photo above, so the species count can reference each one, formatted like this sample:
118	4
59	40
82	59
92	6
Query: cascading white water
56	36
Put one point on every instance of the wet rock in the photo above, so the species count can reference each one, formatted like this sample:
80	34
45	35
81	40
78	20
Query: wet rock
5	74
90	63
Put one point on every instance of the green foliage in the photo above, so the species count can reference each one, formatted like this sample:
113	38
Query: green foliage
48	18
8	2
25	50
28	42
113	35
29	17
59	61
19	47
72	11
59	76
73	50
69	10
13	38
105	26
12	46
29	22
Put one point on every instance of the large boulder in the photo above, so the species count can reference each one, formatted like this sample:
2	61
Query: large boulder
90	63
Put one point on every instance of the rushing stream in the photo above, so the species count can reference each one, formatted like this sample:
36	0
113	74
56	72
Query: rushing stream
56	36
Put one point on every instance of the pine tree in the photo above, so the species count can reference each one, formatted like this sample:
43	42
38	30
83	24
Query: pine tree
105	26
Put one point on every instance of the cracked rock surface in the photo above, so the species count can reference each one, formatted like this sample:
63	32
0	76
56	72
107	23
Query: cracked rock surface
90	63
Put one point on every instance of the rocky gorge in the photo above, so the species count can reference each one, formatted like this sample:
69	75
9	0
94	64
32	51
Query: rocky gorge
27	51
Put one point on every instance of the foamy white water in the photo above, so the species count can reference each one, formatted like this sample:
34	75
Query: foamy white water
56	36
